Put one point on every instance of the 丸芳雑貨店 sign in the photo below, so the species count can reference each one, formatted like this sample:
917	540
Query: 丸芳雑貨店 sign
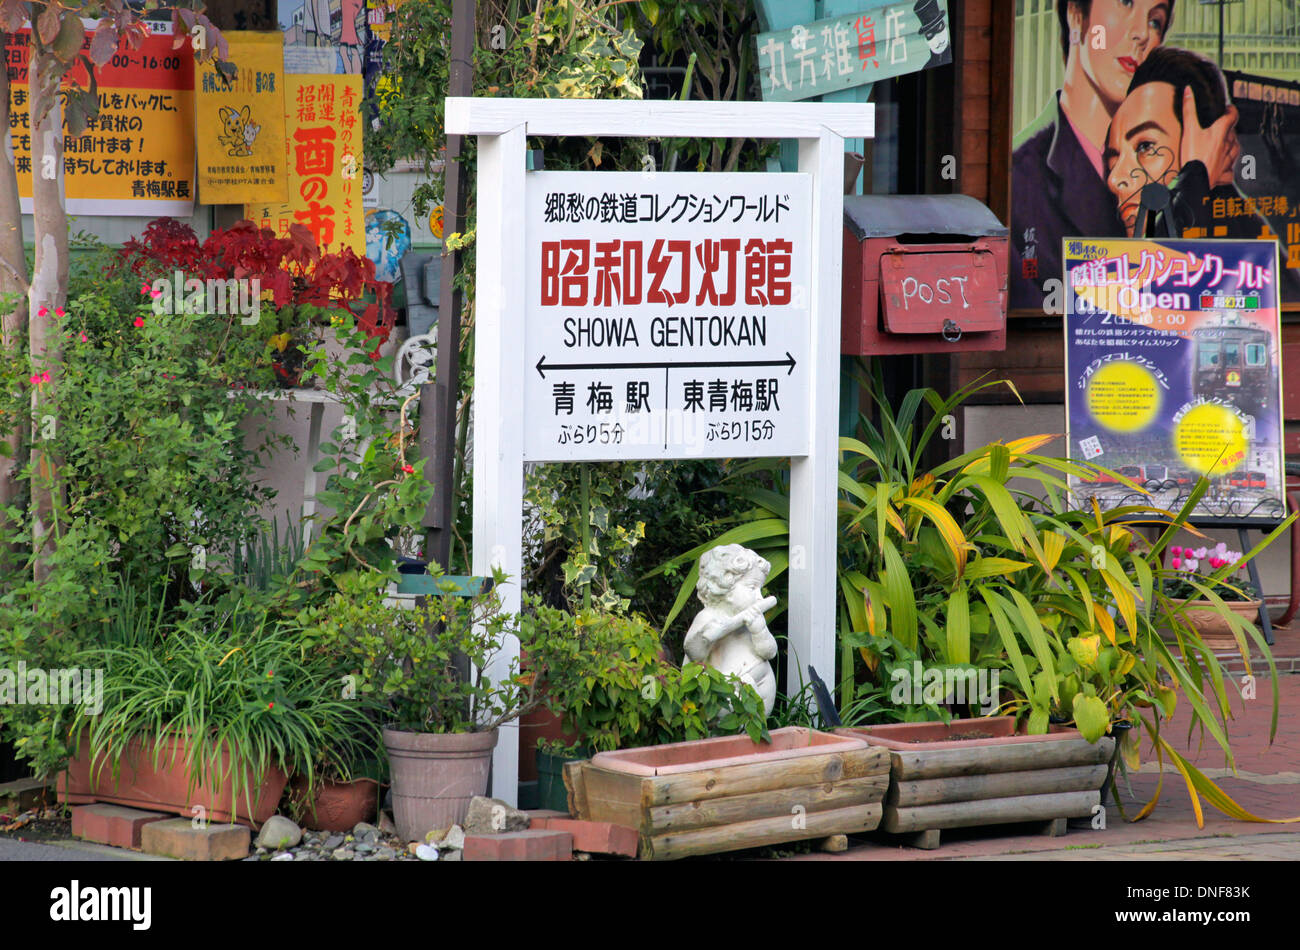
883	39
667	315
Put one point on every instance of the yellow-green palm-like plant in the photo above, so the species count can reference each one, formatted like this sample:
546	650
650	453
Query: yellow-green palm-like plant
980	561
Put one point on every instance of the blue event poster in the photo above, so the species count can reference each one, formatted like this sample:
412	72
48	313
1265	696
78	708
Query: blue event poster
1173	371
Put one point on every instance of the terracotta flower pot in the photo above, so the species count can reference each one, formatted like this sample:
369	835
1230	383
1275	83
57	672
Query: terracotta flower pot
167	787
335	806
434	777
1213	627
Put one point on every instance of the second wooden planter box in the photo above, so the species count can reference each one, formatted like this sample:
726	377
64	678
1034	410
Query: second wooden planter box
713	795
938	779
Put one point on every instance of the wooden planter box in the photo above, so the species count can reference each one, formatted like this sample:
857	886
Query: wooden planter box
713	795
938	782
167	788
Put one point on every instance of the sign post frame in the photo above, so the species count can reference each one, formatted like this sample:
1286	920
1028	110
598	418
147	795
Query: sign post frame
502	126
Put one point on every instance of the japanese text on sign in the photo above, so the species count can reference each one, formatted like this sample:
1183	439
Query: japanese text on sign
887	39
679	334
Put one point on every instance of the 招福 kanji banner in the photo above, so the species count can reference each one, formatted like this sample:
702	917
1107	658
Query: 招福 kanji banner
323	154
240	123
666	317
136	157
1173	372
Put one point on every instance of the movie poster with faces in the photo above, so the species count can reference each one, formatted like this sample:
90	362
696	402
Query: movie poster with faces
1104	97
1173	372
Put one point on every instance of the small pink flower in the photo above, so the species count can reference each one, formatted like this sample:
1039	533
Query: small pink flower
45	377
155	294
408	469
44	311
1176	551
1191	565
58	312
1177	563
139	322
84	339
144	289
35	379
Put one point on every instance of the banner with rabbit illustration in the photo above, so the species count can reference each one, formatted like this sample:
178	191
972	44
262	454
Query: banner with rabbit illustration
240	124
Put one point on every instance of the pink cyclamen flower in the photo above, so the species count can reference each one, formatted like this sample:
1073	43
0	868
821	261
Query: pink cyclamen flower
1191	565
139	322
1177	563
1176	551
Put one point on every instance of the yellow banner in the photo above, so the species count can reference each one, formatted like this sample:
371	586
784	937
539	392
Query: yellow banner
323	154
240	124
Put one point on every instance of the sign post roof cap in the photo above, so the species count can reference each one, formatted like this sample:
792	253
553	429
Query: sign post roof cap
660	118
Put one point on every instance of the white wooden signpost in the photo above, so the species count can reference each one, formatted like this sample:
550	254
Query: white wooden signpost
656	315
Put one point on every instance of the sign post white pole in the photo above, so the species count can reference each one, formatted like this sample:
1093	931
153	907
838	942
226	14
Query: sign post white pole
813	478
498	405
499	367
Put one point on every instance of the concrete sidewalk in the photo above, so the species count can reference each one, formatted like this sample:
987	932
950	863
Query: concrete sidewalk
1267	783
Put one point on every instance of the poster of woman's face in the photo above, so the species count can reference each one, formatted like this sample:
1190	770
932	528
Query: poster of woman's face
1120	94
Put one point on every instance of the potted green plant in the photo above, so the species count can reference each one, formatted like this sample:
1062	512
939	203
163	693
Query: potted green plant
213	712
1186	588
599	672
439	722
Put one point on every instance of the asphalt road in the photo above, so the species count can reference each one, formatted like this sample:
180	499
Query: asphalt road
11	850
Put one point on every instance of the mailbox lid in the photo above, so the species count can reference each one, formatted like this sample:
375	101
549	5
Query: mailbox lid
922	291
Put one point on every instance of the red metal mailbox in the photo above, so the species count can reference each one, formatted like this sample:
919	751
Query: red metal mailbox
922	274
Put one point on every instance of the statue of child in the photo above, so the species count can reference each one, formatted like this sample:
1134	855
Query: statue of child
730	633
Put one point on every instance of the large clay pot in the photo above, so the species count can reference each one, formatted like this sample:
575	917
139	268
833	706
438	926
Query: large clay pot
434	777
1213	627
336	806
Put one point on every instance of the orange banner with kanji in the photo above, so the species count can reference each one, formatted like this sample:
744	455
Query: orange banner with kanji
323	150
136	156
240	123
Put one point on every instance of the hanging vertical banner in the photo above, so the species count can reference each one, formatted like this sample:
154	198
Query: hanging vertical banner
323	156
240	124
1173	372
131	159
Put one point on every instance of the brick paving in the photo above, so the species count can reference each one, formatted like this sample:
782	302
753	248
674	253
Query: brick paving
1267	783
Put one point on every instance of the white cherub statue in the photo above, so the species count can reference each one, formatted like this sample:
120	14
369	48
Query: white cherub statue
730	633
